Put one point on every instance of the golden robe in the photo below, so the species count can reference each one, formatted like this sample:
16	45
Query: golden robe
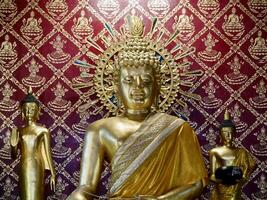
233	192
163	154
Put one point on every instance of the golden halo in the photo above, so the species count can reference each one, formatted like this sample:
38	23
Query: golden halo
170	78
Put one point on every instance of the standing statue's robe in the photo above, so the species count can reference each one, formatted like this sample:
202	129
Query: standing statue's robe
163	154
233	192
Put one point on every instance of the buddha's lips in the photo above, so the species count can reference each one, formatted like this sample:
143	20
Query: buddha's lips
138	95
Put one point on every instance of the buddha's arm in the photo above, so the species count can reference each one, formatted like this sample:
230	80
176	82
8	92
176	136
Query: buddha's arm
14	140
213	166
92	159
49	158
48	152
248	169
186	192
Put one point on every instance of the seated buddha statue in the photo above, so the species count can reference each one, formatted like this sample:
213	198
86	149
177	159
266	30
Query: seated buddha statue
34	143
259	44
184	22
152	155
31	25
7	48
230	166
233	21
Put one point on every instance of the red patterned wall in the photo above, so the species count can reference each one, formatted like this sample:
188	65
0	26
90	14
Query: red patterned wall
40	40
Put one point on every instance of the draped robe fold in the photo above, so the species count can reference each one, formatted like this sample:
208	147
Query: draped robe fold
163	154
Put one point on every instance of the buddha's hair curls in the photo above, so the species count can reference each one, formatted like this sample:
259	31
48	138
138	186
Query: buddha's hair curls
137	53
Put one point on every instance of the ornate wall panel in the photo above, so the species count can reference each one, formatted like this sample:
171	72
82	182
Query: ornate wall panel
40	40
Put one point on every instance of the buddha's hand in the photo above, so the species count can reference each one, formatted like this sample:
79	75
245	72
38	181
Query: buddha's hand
146	197
53	183
14	139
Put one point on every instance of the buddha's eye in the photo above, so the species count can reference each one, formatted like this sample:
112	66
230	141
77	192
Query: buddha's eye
147	79
128	79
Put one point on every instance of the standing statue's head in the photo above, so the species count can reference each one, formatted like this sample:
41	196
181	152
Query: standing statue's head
227	129
137	70
30	107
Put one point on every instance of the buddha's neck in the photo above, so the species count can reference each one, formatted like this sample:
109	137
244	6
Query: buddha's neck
228	144
30	122
136	115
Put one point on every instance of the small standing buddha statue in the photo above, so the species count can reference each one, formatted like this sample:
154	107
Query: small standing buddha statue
230	166
153	155
34	142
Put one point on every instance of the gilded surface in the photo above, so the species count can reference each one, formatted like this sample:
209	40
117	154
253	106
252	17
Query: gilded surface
32	140
238	33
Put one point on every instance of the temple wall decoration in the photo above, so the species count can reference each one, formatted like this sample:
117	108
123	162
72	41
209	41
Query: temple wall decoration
40	40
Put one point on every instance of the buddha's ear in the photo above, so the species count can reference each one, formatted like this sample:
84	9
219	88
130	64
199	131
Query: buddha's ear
116	88
38	112
22	114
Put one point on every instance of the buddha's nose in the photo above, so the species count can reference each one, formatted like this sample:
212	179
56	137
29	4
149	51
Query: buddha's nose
139	82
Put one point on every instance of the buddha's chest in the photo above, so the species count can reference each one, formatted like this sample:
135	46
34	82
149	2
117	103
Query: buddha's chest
227	158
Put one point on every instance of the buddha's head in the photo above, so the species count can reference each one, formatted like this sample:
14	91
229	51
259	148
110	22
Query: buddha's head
138	75
30	107
227	129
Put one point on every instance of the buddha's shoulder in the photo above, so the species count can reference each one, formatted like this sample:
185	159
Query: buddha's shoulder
217	150
108	122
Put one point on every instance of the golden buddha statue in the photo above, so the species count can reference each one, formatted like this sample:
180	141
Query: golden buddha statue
31	25
34	142
153	155
7	48
230	166
259	43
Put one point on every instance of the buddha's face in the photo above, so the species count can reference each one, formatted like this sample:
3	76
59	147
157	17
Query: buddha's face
137	87
227	134
30	111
